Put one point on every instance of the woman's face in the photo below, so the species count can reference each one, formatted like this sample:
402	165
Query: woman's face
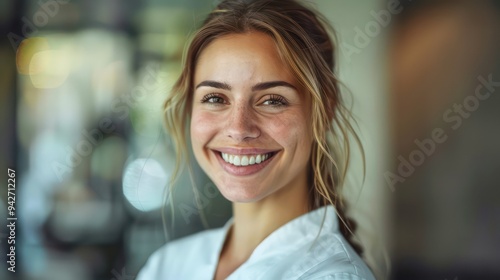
250	125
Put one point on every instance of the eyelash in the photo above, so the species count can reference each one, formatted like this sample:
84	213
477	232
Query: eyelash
208	97
277	98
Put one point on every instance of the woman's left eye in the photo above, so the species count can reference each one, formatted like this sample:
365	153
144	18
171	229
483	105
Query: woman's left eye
275	101
213	98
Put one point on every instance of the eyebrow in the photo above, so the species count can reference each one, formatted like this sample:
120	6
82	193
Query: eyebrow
257	87
214	84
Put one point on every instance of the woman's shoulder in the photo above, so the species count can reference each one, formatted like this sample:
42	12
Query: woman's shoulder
337	261
309	247
171	258
340	260
328	257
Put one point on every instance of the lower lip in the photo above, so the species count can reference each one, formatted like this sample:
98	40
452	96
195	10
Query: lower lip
242	170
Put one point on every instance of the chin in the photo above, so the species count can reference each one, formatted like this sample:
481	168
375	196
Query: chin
241	194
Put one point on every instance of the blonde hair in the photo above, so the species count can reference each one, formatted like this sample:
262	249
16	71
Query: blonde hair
305	46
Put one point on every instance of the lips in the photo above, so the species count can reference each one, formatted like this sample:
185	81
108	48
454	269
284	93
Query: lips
244	162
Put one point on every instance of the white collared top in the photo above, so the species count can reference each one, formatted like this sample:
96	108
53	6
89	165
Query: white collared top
296	250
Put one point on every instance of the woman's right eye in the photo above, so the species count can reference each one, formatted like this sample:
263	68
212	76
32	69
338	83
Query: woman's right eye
212	98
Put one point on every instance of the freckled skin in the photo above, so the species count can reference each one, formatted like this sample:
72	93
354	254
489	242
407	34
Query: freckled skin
245	120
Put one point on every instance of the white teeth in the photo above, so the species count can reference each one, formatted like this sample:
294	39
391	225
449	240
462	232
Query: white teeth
244	160
236	160
258	159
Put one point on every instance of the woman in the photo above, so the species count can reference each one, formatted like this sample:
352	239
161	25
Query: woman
268	127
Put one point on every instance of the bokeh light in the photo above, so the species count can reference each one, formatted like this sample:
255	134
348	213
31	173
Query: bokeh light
144	182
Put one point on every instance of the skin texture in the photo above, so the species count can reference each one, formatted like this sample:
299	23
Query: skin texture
234	114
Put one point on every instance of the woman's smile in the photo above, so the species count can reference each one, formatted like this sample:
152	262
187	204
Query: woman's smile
244	162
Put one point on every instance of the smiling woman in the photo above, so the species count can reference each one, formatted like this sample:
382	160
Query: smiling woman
267	125
247	106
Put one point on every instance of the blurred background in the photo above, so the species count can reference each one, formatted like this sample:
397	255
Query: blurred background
81	91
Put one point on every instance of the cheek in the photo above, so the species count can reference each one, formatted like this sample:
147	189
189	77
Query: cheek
203	127
292	131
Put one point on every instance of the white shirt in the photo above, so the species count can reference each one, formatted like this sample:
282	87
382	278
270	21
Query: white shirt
287	253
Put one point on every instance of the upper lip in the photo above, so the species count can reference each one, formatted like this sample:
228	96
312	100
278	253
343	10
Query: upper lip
244	151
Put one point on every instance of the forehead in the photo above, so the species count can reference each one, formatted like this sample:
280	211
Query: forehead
246	57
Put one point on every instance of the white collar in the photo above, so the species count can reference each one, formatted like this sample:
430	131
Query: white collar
305	228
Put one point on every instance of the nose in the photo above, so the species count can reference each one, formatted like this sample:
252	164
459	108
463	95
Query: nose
241	125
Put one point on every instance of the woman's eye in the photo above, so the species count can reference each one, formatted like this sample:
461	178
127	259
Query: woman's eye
275	101
212	98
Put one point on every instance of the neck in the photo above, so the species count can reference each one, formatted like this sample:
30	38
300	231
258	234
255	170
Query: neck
253	222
